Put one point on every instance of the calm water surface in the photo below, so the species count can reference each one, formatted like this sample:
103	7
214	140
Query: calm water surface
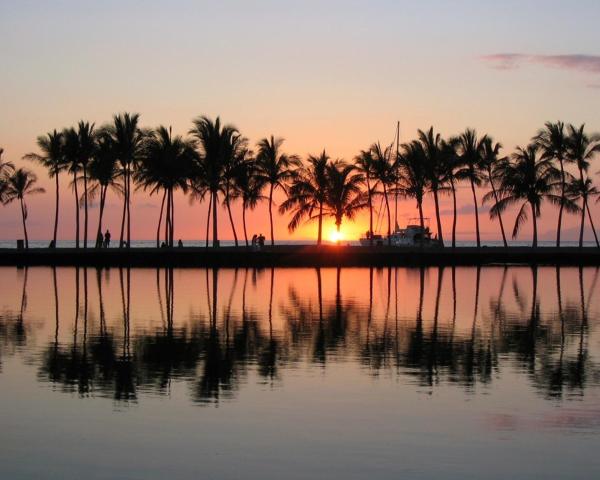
459	373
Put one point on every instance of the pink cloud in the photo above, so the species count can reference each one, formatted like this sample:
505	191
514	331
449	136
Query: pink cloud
512	61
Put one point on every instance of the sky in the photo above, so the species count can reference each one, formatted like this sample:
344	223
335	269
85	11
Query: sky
334	75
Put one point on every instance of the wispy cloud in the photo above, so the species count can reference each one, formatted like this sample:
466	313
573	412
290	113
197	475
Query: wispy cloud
512	61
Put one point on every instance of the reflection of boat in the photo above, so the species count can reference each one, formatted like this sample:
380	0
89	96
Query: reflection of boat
412	235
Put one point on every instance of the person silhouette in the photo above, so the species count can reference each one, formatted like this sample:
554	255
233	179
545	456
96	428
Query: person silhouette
179	243
107	239
261	240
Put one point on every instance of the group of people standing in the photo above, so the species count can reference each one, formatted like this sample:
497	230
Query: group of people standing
103	241
258	241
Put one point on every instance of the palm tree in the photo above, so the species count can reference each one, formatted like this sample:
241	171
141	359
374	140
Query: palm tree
248	185
553	141
583	190
435	170
235	151
469	151
166	165
527	179
128	142
276	168
343	195
5	167
87	146
215	142
385	172
491	164
450	163
71	158
581	149
20	184
364	163
306	193
52	158
412	179
103	174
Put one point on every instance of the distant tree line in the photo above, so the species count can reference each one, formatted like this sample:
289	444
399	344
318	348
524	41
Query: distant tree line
216	165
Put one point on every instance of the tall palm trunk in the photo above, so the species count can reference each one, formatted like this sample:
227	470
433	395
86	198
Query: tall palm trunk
129	205
495	193
453	187
437	216
244	221
370	202
227	204
103	190
76	210
562	201
320	232
167	219
162	207
421	218
389	218
85	205
582	228
271	213
535	230
215	233
208	219
476	213
56	212
122	234
24	217
172	231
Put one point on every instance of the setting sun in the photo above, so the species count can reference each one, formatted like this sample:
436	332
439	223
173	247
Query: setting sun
335	236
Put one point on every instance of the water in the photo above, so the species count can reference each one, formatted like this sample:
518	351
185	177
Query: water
300	373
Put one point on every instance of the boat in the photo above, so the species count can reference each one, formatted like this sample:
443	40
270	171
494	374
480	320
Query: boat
413	235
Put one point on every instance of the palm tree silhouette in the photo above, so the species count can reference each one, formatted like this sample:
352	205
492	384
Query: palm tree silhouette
581	149
19	185
5	167
215	142
491	164
71	157
276	169
128	142
306	193
343	196
166	164
412	180
527	179
103	174
450	163
364	163
469	151
386	172
248	185
52	158
436	170
235	153
584	190
553	142
87	147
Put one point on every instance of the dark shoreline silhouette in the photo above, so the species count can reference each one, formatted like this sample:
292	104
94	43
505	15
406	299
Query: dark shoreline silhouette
300	256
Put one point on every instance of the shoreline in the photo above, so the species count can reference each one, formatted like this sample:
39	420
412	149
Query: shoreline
300	256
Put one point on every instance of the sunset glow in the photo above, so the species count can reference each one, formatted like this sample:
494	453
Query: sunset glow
336	237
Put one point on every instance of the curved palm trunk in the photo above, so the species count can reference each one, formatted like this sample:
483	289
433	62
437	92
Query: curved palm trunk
582	227
320	232
437	217
24	217
592	225
129	206
495	193
162	207
421	218
389	218
453	187
227	204
271	213
562	201
172	232
215	232
76	210
85	205
56	212
244	221
535	230
476	214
